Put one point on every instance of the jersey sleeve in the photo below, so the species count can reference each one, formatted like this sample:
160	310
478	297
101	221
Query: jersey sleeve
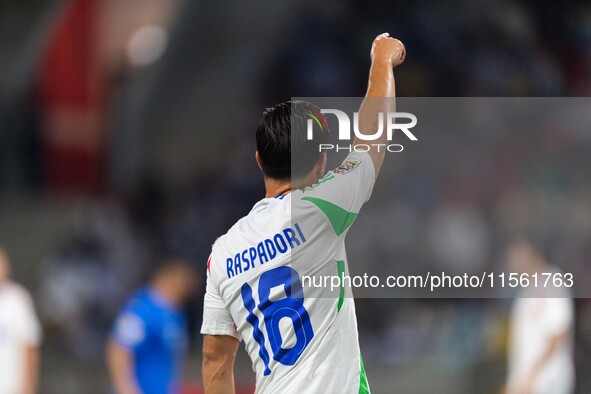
217	319
30	329
341	193
130	330
558	315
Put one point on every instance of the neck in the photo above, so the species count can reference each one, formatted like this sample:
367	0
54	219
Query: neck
274	188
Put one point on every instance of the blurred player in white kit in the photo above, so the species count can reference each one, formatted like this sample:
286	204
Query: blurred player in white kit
541	359
20	336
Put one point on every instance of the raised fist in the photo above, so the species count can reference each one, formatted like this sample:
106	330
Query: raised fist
387	49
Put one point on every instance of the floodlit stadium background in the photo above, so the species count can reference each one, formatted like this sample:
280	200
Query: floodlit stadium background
127	130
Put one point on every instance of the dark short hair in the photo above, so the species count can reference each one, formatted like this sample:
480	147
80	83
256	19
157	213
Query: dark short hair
282	135
170	263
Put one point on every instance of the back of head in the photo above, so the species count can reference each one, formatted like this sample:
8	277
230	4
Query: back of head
282	139
170	266
524	254
174	275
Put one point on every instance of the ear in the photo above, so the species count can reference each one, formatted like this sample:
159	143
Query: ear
258	159
321	165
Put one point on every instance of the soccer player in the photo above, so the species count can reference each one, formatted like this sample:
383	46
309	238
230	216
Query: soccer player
541	353
149	338
20	336
297	343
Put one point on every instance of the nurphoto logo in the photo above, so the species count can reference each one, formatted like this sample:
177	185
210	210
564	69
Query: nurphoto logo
391	120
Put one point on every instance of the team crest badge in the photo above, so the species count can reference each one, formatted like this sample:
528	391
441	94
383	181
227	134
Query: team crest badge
346	167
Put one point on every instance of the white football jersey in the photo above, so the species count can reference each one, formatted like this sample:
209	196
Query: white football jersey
19	329
534	323
300	339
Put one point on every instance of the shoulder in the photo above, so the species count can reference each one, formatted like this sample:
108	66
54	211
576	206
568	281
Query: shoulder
16	294
130	327
248	226
139	305
355	170
266	218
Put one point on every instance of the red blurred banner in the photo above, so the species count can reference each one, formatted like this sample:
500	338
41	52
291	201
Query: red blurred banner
72	95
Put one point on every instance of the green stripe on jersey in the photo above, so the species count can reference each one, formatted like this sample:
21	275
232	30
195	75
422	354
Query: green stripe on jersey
341	271
363	384
339	218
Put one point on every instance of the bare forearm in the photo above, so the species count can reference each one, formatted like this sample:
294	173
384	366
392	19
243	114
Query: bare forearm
381	86
381	79
386	54
218	378
120	365
219	353
32	368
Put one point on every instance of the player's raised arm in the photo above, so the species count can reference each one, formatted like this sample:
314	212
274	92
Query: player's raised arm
386	53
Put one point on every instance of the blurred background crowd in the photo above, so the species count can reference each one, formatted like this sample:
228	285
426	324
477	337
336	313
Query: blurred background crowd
127	132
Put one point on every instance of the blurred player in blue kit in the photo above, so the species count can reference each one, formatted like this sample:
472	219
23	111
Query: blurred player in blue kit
149	338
